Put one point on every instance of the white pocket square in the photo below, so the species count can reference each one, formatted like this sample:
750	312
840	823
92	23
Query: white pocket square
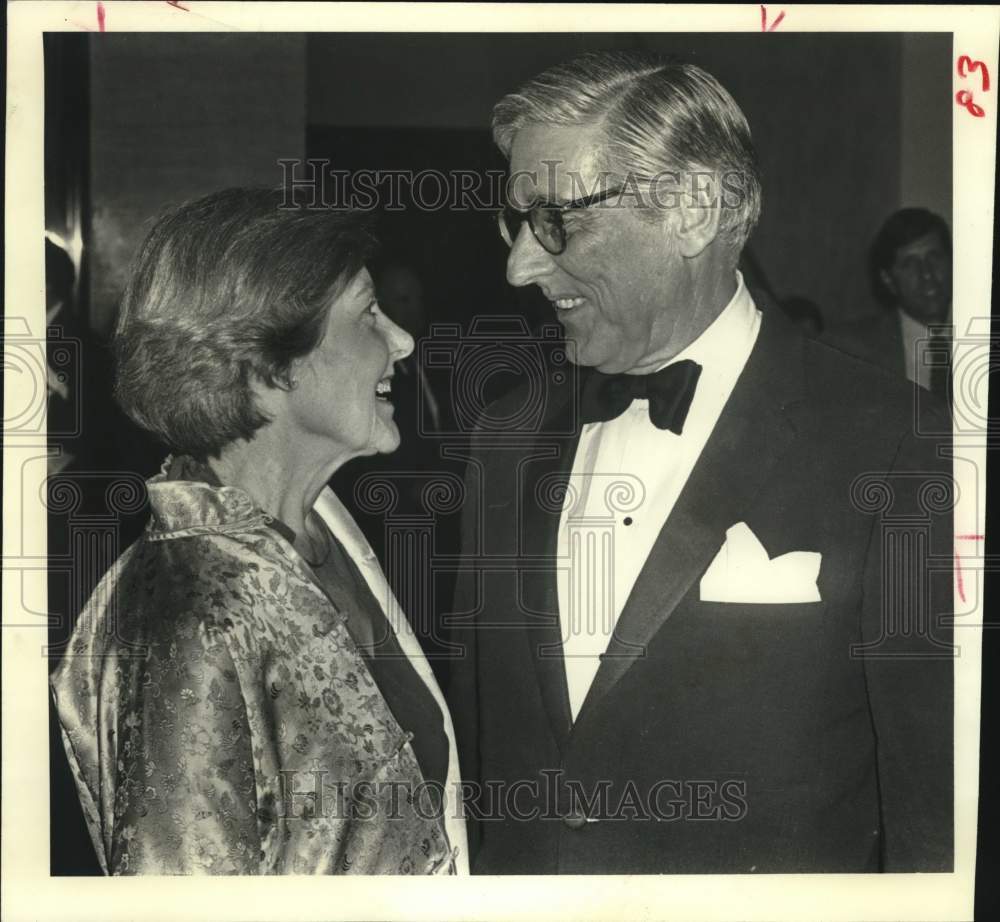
742	572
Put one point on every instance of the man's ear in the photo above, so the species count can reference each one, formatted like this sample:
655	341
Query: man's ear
886	280
699	215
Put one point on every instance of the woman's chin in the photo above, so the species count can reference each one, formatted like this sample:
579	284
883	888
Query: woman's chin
387	438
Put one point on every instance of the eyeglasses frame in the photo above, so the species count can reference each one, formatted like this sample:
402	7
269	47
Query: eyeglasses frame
586	201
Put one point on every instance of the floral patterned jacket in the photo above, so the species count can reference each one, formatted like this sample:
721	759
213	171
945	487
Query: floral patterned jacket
219	718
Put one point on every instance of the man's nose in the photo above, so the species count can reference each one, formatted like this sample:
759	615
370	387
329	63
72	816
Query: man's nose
528	260
929	271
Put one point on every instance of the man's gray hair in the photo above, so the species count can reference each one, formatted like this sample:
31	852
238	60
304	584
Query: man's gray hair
656	116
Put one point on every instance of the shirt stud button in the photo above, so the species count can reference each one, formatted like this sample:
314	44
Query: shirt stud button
574	821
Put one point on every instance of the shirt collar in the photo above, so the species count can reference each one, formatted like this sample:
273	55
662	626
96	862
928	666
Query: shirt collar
727	335
912	329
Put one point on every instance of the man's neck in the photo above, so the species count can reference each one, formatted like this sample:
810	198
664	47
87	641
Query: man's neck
707	302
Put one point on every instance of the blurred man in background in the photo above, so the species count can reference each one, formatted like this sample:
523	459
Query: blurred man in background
910	273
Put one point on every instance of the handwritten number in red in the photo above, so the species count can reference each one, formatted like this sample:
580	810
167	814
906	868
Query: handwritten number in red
964	98
965	64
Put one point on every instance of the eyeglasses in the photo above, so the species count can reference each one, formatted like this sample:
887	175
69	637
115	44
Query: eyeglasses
546	220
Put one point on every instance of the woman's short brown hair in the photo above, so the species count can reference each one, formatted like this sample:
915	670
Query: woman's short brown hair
226	289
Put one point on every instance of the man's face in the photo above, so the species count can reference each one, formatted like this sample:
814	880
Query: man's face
618	287
920	278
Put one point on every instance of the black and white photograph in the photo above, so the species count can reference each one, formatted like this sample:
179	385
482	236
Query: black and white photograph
538	448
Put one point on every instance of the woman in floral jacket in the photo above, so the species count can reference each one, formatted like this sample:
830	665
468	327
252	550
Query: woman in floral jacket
235	699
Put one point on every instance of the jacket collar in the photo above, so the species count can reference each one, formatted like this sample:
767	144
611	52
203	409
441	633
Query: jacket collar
187	498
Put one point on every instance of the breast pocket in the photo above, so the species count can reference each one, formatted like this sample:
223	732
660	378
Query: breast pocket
767	635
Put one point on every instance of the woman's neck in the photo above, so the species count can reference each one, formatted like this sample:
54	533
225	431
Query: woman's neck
284	476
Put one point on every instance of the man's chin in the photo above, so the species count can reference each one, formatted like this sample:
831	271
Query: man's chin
583	361
580	352
929	313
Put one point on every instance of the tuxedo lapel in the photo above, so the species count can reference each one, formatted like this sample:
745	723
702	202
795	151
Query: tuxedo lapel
741	454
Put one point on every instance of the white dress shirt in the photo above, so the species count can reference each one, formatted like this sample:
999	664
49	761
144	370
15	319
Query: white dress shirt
915	337
625	480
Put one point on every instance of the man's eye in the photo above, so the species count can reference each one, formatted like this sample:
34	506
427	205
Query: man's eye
373	309
573	221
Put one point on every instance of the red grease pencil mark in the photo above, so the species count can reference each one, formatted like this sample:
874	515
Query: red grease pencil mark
958	562
965	64
763	20
100	16
964	98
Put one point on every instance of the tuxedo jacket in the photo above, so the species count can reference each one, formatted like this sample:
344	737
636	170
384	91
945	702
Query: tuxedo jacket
721	737
877	339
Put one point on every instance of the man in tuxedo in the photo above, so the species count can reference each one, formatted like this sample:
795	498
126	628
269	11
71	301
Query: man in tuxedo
703	611
909	267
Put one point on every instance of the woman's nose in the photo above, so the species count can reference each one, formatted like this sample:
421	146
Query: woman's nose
400	342
528	260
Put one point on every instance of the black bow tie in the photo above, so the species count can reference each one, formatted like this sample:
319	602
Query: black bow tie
669	392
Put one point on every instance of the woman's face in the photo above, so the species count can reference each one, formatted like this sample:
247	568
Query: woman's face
342	392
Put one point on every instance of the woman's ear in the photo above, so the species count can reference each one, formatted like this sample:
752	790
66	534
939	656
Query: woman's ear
270	394
887	281
285	382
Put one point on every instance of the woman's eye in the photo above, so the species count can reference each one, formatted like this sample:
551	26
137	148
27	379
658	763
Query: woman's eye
373	309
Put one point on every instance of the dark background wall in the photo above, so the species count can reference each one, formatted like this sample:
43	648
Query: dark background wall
175	116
